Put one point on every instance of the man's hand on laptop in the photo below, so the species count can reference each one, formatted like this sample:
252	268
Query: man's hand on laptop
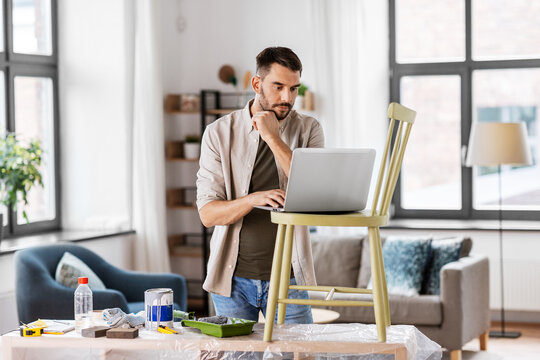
267	124
274	198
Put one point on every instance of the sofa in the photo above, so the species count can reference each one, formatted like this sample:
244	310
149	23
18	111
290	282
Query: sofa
459	314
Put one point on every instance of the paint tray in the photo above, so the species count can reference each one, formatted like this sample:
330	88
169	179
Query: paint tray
234	327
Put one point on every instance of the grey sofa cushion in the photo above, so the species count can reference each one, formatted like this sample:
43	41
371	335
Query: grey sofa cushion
466	247
417	310
365	264
336	259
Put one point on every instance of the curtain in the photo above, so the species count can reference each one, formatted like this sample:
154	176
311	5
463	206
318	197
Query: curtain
149	211
351	74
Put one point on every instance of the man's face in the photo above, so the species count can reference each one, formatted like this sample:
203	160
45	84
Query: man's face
278	89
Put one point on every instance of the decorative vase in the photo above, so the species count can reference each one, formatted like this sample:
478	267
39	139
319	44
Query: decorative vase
299	103
192	150
308	101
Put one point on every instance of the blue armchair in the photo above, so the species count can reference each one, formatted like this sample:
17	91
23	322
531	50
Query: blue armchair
39	295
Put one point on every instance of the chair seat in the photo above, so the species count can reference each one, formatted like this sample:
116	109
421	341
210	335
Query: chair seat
359	218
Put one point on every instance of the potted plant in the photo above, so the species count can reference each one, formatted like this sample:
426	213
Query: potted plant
192	146
19	171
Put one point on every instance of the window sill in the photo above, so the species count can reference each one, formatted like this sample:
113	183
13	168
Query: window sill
445	224
8	246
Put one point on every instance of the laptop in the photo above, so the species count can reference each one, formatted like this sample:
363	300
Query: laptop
328	180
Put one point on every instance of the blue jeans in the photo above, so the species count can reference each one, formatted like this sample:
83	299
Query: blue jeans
249	296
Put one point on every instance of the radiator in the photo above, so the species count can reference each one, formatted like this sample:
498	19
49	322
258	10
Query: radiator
521	285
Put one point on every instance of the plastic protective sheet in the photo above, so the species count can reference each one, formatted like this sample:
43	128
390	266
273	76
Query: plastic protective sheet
331	341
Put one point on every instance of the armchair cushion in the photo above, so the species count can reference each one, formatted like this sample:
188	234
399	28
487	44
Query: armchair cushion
70	268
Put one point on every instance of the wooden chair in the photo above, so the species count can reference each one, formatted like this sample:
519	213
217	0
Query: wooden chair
372	219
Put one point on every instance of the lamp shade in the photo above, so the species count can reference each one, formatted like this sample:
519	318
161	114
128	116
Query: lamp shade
496	143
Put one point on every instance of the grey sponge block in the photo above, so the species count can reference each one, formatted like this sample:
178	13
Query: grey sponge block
218	319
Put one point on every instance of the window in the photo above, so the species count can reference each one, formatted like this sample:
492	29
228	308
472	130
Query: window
29	103
457	62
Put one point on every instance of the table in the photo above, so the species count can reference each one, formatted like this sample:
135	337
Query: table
290	341
320	316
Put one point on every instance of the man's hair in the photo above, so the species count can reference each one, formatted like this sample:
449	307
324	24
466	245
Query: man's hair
280	55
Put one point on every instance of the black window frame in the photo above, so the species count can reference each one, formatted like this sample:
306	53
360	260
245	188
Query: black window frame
16	64
464	69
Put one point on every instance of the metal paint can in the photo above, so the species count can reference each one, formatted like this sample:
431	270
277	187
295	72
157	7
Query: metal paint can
158	305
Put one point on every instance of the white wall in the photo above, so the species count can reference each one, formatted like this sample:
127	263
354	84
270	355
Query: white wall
94	113
229	32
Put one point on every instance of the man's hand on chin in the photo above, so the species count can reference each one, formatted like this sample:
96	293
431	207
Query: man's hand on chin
267	124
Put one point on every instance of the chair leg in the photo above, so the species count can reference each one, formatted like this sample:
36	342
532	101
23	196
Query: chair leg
378	304
483	338
455	354
274	284
285	276
383	278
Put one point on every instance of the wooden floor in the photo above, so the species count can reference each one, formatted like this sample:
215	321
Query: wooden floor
526	347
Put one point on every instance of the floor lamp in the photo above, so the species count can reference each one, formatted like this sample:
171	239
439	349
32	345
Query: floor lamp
496	144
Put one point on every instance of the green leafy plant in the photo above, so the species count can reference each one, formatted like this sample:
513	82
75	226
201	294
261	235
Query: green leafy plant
193	138
19	170
302	90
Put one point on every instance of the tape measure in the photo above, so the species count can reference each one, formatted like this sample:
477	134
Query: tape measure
31	332
33	329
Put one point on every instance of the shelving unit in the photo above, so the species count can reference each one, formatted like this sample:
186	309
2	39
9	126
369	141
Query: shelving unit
185	247
189	245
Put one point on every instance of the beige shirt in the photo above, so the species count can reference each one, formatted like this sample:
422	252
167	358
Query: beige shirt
228	151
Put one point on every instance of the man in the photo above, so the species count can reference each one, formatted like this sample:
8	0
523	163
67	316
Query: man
245	162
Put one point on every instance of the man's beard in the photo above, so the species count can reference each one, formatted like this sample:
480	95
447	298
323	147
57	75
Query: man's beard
263	103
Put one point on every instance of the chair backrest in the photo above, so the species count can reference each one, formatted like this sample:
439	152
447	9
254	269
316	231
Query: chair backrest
391	160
